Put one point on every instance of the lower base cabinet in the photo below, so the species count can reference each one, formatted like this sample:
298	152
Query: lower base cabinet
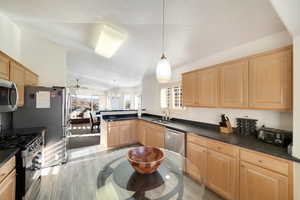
257	183
155	135
236	173
221	174
196	162
8	187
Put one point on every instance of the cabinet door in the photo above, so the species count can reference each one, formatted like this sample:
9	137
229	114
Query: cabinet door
113	136
17	75
8	187
270	81
4	67
31	78
196	161
133	132
141	132
189	89
207	85
125	134
155	136
234	85
260	184
221	174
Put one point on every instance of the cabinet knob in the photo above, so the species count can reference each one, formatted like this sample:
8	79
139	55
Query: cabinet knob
260	161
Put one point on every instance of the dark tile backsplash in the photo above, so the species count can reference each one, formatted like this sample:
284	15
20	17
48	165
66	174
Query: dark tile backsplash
6	120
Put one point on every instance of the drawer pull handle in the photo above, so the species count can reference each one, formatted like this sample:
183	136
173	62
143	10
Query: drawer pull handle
260	161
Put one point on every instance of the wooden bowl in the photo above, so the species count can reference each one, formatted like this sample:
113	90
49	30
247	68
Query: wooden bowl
145	160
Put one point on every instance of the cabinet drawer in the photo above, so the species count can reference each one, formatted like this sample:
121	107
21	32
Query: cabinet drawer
265	161
191	138
220	147
7	168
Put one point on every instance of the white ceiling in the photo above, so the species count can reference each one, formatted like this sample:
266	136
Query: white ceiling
195	29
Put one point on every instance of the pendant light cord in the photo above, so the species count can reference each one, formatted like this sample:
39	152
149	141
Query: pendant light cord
163	28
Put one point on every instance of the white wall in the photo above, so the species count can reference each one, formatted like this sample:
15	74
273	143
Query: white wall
43	57
151	88
10	36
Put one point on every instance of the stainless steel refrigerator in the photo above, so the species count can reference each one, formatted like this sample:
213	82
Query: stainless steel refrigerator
46	107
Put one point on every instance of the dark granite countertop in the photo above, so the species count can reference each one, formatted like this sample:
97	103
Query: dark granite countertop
5	155
212	132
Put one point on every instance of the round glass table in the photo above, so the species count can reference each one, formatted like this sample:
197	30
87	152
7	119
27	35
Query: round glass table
117	180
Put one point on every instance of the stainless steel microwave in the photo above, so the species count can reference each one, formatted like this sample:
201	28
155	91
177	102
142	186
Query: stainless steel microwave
8	96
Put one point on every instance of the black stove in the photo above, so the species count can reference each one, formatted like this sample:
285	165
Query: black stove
30	142
22	141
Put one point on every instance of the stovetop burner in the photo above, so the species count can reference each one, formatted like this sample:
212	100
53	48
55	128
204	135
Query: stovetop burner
21	141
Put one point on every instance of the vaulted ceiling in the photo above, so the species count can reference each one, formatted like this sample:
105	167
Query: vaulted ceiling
195	29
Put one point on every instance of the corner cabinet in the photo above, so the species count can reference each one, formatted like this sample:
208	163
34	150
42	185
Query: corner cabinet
17	75
262	82
271	81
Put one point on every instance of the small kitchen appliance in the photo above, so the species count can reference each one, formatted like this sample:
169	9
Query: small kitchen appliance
246	126
275	136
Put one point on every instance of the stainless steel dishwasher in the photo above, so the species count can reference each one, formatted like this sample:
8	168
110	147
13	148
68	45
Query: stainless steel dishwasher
175	141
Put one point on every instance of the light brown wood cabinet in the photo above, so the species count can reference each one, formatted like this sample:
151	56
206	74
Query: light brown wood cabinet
113	136
4	66
119	133
15	72
208	87
259	184
8	187
196	161
234	84
238	173
270	81
17	75
155	135
8	180
221	174
261	81
141	132
189	89
31	78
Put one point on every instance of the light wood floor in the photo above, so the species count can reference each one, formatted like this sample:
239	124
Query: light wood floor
77	180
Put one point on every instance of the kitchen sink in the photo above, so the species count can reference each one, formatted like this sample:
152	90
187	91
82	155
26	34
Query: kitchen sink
160	121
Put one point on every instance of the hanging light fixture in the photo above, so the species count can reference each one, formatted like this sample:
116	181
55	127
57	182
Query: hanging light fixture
163	68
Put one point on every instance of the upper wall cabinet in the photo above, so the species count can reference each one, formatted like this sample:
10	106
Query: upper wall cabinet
261	81
4	66
270	81
207	85
17	75
189	89
31	78
234	84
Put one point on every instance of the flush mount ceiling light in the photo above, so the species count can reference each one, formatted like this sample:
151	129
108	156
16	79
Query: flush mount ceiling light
163	68
109	41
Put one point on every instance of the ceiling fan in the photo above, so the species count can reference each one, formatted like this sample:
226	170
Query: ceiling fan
77	85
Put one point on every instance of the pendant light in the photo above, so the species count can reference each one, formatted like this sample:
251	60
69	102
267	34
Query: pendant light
163	68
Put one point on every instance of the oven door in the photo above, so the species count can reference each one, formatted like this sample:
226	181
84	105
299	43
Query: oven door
32	176
8	96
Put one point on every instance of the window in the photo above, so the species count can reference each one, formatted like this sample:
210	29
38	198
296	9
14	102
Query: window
137	102
171	97
165	96
82	105
127	102
177	97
